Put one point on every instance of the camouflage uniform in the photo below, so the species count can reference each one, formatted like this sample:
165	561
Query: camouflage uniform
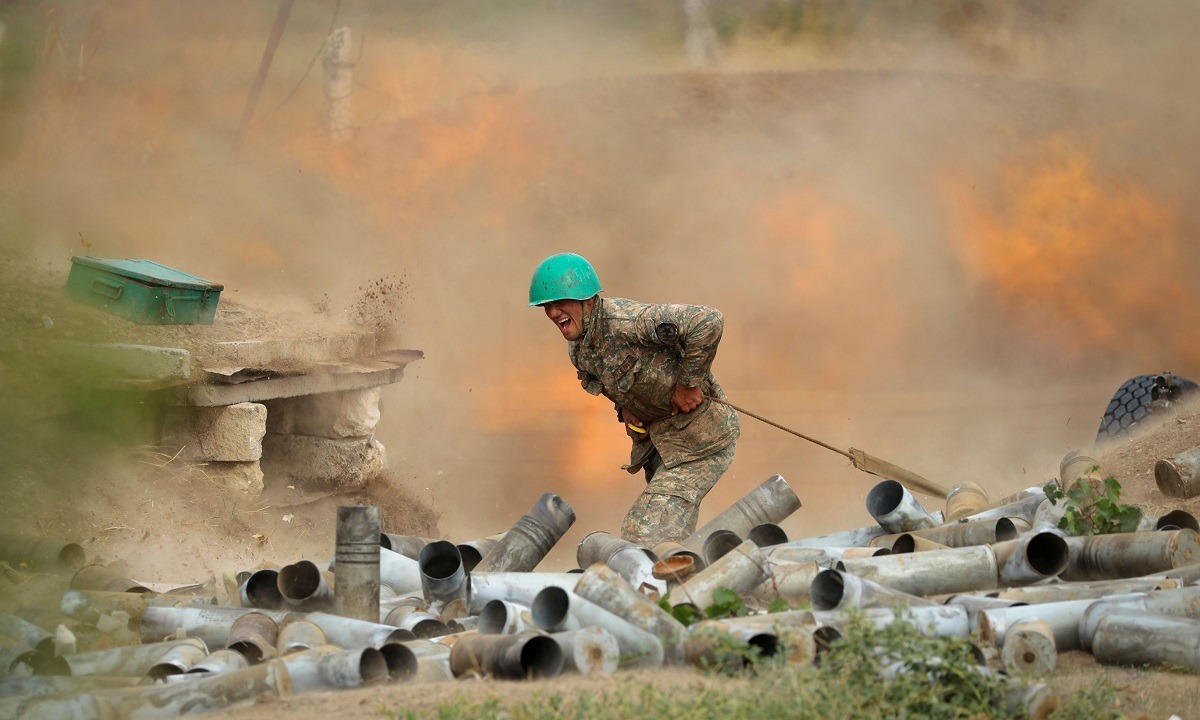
634	353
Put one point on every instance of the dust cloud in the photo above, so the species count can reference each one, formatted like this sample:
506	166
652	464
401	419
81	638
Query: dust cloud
944	237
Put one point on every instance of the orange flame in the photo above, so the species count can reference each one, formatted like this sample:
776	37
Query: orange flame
1078	253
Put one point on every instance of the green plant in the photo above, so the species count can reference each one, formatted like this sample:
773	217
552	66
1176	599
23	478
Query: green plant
685	613
716	650
871	674
726	603
898	667
779	605
228	511
1096	702
1091	512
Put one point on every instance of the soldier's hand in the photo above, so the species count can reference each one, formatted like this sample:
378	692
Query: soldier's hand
686	399
630	419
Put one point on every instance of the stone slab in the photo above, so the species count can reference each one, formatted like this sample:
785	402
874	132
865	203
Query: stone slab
384	369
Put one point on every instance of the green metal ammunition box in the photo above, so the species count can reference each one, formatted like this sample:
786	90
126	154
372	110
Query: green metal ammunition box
143	291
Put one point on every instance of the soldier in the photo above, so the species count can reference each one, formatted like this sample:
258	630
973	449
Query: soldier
652	362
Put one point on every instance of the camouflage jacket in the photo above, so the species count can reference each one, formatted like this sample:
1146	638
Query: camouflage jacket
633	353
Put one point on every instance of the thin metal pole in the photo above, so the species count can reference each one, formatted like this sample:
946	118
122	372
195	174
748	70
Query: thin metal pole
264	66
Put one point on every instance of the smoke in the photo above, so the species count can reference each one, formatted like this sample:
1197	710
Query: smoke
944	239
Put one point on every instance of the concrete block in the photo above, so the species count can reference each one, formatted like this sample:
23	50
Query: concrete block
322	464
353	413
245	477
232	433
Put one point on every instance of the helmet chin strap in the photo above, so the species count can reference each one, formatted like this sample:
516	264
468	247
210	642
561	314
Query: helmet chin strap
586	319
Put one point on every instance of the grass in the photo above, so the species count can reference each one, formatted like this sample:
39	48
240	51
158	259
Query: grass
871	674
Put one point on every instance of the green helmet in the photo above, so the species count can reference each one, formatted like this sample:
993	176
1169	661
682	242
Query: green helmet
565	276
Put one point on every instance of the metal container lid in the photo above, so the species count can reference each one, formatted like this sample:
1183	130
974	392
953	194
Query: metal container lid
150	272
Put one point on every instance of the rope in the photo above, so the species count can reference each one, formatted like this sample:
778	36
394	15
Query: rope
772	423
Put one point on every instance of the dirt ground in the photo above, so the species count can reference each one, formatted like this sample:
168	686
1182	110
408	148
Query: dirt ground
1132	462
1140	693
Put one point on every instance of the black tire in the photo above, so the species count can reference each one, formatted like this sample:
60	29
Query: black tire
1138	398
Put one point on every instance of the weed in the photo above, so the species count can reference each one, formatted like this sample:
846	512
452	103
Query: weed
228	511
1097	702
898	667
231	512
686	614
871	674
726	603
1090	512
718	651
779	605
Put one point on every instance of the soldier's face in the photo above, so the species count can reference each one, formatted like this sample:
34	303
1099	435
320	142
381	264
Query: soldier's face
568	316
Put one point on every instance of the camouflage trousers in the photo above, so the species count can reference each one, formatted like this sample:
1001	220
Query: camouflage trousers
669	506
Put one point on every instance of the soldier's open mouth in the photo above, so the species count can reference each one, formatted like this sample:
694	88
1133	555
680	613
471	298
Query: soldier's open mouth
564	324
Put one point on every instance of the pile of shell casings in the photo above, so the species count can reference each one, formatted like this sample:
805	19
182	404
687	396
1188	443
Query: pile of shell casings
392	608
